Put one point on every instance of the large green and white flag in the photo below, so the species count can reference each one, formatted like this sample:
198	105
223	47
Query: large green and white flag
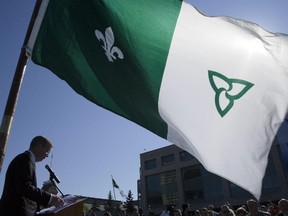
215	86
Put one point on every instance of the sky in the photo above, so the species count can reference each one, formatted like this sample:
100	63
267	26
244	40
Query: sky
90	143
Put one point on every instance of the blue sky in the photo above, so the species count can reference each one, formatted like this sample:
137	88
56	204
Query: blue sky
91	143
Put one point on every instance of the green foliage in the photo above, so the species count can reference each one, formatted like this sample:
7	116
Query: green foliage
129	202
109	203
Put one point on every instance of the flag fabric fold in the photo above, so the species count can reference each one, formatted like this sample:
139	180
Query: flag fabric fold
114	184
120	191
214	86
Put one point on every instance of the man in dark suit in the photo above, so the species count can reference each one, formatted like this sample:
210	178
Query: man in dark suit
20	196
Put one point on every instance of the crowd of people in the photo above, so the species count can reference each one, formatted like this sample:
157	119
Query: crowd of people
251	208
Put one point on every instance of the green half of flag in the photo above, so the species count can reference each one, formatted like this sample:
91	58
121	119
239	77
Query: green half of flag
111	53
114	184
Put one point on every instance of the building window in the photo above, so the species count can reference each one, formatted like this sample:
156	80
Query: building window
167	160
150	164
192	183
185	156
153	191
168	186
213	188
199	184
161	189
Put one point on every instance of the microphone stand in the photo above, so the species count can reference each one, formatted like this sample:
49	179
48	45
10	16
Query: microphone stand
53	182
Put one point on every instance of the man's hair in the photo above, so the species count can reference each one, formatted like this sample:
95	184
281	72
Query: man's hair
241	210
40	140
185	206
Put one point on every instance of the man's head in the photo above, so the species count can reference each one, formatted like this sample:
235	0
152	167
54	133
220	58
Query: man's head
40	146
252	206
225	210
170	208
185	207
283	206
204	212
241	211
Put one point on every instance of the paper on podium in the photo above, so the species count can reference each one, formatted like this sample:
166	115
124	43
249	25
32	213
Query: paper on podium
68	201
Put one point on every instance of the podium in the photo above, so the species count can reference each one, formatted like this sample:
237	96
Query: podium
73	206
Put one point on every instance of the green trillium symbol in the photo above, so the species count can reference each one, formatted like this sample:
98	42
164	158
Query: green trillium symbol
227	91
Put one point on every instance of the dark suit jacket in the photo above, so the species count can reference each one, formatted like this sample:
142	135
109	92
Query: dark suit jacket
21	197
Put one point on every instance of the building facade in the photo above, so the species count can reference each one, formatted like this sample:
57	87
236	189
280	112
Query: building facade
170	175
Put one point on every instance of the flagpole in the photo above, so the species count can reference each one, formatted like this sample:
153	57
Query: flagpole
15	88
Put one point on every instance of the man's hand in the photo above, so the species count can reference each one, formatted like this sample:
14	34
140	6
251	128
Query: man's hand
56	201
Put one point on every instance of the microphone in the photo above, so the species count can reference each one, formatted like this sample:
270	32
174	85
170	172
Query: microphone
52	174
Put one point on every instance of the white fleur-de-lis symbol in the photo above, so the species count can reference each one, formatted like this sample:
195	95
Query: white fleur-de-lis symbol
108	42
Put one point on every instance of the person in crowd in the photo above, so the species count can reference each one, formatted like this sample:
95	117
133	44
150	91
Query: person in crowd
135	211
204	212
245	207
90	214
177	212
20	196
263	208
186	209
140	211
107	213
273	209
225	210
253	208
241	211
211	210
196	213
283	207
169	210
123	213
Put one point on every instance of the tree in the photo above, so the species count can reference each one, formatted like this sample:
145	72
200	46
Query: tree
109	203
129	203
94	208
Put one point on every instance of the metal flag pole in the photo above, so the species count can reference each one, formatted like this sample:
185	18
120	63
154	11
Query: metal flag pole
15	88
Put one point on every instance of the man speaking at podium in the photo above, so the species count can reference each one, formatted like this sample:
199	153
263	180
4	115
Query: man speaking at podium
20	196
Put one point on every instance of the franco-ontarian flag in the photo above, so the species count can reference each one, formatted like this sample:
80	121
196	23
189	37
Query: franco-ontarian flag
215	86
120	191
